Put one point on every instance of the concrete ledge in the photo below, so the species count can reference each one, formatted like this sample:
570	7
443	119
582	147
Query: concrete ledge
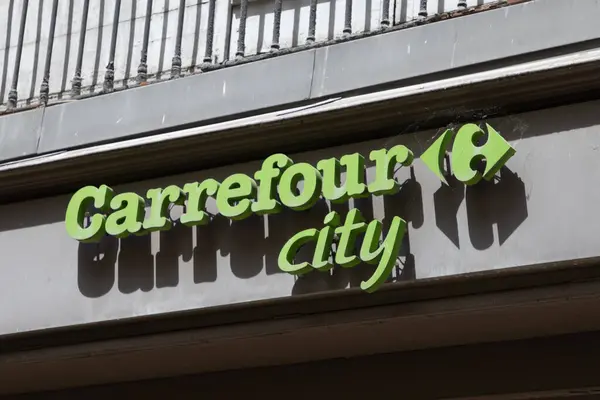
519	32
163	106
20	133
516	89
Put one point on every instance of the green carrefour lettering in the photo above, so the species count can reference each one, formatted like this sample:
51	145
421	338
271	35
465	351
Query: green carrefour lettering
100	198
385	254
331	184
197	194
355	175
385	163
127	216
352	227
496	151
159	207
234	196
288	186
268	178
354	186
290	249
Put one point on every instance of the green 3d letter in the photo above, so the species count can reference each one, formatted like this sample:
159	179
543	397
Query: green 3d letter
385	254
159	207
321	259
385	163
433	157
332	187
354	186
355	175
234	196
496	151
127	217
290	249
100	197
268	178
288	186
353	225
197	194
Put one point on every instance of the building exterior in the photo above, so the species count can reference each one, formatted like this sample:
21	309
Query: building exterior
343	198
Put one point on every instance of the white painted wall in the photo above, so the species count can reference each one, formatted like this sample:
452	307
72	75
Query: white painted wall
294	27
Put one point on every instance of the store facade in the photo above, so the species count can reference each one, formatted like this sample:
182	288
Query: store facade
437	239
506	238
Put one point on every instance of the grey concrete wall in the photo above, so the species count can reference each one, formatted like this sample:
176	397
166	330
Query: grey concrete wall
518	32
539	211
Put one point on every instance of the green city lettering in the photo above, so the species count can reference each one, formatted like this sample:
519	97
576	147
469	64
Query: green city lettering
373	251
94	212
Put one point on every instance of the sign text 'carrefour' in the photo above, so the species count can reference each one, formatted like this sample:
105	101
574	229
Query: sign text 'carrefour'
276	185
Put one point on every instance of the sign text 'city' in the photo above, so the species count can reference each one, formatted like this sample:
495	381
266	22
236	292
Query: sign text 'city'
276	185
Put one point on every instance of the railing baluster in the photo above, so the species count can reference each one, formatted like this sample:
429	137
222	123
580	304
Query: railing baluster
423	9
36	51
385	16
276	24
196	41
109	76
12	95
348	18
9	17
462	4
176	61
210	31
45	87
312	22
241	46
67	54
76	85
130	44
142	70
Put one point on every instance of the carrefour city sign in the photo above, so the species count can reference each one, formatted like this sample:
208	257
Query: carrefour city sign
276	185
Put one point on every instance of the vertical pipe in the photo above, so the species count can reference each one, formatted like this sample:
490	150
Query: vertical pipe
76	85
241	46
45	87
423	9
312	22
462	4
109	76
348	18
385	16
210	31
12	95
176	61
276	24
142	70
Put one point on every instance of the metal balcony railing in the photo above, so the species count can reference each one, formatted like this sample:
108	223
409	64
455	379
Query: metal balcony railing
55	50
